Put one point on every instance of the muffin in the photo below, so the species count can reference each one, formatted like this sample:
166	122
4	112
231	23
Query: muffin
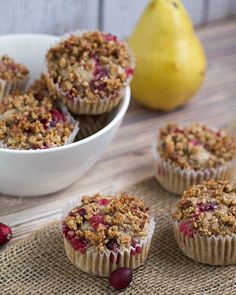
190	154
105	232
90	124
205	222
29	123
13	76
90	71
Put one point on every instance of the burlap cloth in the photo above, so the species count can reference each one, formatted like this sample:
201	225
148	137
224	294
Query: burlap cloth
38	264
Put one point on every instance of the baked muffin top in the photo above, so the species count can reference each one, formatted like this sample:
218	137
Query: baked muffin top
195	146
30	123
207	209
10	70
91	66
108	222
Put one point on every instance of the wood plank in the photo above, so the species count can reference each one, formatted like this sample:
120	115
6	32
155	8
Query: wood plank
129	159
50	17
121	16
220	9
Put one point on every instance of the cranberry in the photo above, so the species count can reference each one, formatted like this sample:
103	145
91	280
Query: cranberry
82	212
186	228
103	202
113	245
45	123
129	72
96	220
121	278
138	249
65	229
5	234
207	207
194	142
57	116
110	37
79	244
178	130
133	252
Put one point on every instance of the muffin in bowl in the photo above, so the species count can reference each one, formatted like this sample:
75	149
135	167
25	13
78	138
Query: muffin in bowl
205	222
105	232
189	154
13	76
90	71
28	123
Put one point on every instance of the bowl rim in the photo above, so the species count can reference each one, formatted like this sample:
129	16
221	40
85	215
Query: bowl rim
121	112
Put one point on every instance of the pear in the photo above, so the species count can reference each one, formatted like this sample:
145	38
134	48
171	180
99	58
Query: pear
170	60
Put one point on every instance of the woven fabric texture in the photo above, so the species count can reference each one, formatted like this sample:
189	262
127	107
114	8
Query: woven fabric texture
38	264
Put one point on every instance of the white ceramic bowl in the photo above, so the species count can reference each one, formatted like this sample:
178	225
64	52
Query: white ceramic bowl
40	172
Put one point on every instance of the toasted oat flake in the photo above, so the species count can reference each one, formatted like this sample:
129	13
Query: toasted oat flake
195	146
207	209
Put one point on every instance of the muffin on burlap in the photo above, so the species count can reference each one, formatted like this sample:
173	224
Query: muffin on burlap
205	222
105	232
30	123
189	154
90	71
13	76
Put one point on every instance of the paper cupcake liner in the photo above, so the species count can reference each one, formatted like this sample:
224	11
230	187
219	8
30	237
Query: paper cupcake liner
102	264
74	122
7	87
89	128
79	105
208	250
176	179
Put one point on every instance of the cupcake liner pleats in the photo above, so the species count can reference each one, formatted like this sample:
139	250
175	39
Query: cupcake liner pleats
176	179
102	264
214	250
7	87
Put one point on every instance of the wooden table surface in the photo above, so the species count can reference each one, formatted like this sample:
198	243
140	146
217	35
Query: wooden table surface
128	159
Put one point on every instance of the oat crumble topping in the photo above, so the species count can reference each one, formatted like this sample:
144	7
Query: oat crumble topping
10	70
106	222
30	123
207	209
91	66
195	146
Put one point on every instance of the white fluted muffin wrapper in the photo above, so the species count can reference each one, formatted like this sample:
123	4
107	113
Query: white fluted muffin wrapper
176	179
214	250
79	105
102	264
7	87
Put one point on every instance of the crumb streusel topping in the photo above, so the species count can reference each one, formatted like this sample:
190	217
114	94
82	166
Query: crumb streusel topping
30	123
91	66
10	70
107	223
207	209
195	146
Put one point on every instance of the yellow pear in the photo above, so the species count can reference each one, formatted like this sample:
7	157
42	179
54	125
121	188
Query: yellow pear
170	61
